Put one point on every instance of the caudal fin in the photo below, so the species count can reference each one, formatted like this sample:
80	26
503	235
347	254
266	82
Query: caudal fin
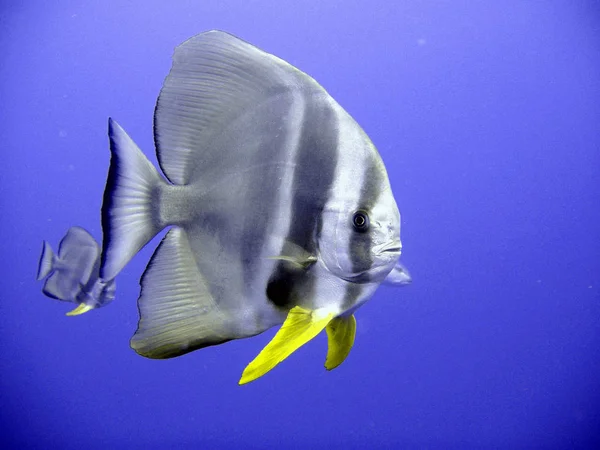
129	210
46	262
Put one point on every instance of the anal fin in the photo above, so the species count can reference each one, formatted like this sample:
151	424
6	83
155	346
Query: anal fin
177	312
340	339
300	326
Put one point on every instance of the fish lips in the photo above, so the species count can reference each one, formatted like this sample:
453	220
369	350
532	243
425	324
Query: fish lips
392	248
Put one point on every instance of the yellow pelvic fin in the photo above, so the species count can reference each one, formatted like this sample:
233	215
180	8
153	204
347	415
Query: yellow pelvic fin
300	326
81	308
340	339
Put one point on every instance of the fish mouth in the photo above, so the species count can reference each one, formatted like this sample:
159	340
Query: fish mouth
389	247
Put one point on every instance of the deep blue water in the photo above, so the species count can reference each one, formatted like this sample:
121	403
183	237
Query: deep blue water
487	115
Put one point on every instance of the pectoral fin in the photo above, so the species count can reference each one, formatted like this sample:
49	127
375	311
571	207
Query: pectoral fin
296	256
399	276
300	326
340	339
301	264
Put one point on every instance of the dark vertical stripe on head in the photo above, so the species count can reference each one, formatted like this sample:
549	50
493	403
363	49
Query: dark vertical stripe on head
360	244
315	165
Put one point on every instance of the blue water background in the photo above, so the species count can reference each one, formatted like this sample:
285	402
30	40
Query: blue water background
487	115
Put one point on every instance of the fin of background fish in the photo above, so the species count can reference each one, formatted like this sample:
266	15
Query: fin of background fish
340	339
82	308
96	293
300	326
399	276
128	222
177	313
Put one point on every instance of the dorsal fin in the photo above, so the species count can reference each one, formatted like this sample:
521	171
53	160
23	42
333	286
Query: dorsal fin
214	79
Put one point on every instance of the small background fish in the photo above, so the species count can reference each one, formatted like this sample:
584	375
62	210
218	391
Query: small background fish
72	274
486	115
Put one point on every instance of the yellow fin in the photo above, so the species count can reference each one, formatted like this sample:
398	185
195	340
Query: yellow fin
300	326
81	308
340	339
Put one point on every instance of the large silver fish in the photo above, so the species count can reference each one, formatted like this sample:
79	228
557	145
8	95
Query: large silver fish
279	205
73	274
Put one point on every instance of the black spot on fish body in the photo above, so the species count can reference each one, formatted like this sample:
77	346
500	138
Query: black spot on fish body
280	287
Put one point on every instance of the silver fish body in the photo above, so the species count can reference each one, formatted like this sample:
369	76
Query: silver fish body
276	197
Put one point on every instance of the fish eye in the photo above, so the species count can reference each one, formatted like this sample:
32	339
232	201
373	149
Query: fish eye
360	221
